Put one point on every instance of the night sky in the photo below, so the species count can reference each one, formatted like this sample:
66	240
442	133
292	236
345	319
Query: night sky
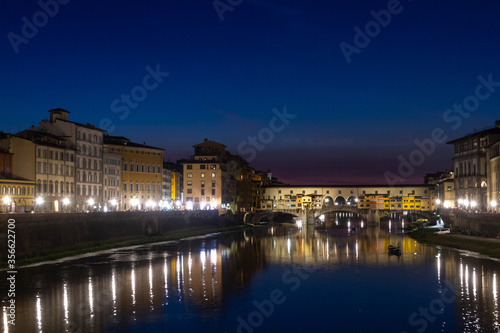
220	73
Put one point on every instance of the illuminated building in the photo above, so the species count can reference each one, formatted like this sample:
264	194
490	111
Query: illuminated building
203	176
493	157
470	167
87	140
141	175
16	194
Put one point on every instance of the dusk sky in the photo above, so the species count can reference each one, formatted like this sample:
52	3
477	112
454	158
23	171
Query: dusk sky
348	106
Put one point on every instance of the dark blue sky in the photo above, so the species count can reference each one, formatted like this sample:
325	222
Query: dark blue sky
352	120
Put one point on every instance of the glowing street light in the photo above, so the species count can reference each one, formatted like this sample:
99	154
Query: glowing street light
189	205
6	200
473	204
438	202
150	204
493	203
65	202
91	202
134	202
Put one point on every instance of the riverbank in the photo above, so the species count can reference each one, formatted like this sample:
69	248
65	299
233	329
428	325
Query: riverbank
59	253
485	246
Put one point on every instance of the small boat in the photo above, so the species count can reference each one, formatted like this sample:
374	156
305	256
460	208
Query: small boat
395	250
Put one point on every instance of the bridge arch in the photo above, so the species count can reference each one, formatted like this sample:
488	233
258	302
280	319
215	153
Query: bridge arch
328	201
340	201
352	201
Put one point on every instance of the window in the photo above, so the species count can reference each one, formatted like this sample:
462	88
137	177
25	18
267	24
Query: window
202	191
213	183
213	166
189	190
125	167
213	174
189	183
189	167
137	167
202	183
202	167
202	175
125	187
213	191
142	168
190	175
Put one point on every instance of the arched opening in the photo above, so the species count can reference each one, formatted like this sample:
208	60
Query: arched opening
352	201
328	202
340	201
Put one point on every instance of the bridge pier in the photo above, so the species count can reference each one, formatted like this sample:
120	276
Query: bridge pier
310	220
373	217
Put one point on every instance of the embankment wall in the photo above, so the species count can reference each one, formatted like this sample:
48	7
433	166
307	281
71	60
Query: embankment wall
37	234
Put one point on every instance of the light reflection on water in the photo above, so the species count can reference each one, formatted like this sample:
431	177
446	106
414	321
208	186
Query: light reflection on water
205	285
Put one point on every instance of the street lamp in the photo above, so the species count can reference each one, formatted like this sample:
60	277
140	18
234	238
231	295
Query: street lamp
150	204
6	201
493	204
66	202
38	201
114	203
91	203
134	202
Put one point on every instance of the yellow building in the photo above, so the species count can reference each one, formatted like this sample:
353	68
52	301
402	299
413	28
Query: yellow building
141	177
206	177
17	195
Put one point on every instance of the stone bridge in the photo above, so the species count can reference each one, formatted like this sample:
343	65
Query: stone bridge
310	215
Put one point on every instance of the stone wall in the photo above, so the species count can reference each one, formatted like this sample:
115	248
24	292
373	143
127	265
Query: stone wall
486	224
44	233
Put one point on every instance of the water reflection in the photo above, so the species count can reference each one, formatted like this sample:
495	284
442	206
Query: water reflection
203	279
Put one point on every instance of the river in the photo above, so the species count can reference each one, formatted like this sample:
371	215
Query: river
269	279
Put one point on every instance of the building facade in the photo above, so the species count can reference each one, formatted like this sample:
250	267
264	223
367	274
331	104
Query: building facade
471	168
493	158
203	177
407	197
87	140
141	174
16	194
112	179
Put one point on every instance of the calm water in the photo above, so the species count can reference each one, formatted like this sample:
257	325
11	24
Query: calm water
280	279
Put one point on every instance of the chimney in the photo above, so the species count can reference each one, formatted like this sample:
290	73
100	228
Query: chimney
497	124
